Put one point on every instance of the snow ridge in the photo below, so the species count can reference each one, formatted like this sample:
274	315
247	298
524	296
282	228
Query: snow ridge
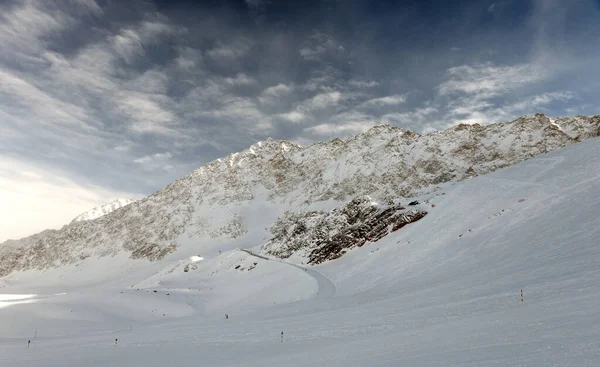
99	211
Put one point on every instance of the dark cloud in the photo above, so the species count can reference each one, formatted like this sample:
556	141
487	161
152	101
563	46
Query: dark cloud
132	95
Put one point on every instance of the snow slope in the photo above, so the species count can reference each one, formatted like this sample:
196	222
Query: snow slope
443	291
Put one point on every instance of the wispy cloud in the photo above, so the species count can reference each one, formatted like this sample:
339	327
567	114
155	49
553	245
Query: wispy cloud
44	107
23	29
540	100
147	116
130	43
274	93
240	79
363	83
324	100
320	44
229	52
481	93
157	161
392	100
294	116
488	80
410	119
344	124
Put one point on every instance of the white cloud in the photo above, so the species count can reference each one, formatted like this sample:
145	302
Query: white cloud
312	53
486	112
153	158
189	59
122	148
276	91
146	115
324	100
130	43
482	93
240	79
22	28
363	83
274	94
87	6
340	129
228	52
541	100
91	68
41	105
152	82
35	199
344	124
488	80
238	110
327	80
392	100
153	162
417	117
318	45
294	116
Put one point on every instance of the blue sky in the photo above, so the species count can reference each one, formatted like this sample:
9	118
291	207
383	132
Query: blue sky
102	98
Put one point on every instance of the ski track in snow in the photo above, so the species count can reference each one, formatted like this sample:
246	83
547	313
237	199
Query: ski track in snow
326	286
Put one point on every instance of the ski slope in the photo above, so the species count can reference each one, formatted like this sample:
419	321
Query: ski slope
443	291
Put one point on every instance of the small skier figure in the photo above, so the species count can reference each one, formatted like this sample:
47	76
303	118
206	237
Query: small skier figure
522	296
28	343
282	336
116	340
226	316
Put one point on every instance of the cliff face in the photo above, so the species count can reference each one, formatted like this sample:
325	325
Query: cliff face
384	163
319	236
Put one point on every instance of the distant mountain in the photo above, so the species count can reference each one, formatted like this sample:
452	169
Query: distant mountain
102	210
233	197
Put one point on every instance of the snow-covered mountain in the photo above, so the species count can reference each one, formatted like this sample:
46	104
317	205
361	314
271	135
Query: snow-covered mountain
230	199
442	291
99	211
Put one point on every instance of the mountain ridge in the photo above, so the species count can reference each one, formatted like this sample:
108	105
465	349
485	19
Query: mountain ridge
219	199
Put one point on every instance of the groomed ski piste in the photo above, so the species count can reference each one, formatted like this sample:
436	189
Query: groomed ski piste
444	291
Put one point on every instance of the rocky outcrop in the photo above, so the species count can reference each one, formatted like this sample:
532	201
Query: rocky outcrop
322	236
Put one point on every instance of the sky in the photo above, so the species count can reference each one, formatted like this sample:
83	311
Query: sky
102	99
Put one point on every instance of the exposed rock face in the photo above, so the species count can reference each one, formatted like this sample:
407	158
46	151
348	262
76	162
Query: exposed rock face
384	162
322	236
